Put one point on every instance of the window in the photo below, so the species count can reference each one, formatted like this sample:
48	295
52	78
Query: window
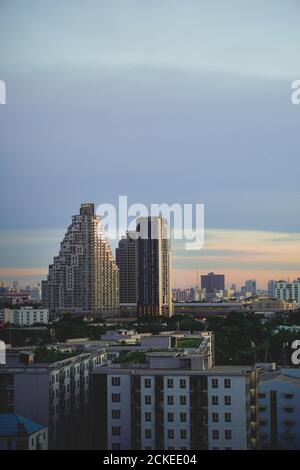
148	417
170	383
116	431
215	400
182	383
148	433
214	383
215	434
116	414
170	433
147	399
170	400
147	383
227	417
228	434
115	397
182	417
215	417
289	409
182	433
182	399
170	417
227	383
288	396
227	400
261	395
148	448
116	381
116	446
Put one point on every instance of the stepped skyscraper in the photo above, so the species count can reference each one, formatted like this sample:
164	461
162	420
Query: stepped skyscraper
84	278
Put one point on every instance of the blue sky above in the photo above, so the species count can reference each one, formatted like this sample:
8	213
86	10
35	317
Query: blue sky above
164	101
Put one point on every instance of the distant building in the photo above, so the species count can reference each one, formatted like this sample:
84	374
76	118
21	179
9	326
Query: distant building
24	316
16	286
14	298
126	262
266	304
250	286
212	282
286	290
36	294
19	433
84	278
271	289
279	398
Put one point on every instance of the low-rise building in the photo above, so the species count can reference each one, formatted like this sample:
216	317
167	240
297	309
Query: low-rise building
24	316
174	400
56	395
19	433
279	409
273	305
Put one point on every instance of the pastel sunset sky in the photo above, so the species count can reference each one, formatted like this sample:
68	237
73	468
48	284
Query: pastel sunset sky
162	101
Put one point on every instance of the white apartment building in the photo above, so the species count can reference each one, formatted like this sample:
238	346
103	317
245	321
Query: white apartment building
286	290
279	409
56	395
170	402
24	316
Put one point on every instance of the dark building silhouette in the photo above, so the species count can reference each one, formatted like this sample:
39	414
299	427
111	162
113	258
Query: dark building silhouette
212	282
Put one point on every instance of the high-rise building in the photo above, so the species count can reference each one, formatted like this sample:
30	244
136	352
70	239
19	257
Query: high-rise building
154	294
212	282
84	277
126	261
250	286
286	290
271	289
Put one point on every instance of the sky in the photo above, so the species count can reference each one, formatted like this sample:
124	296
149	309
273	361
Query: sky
162	101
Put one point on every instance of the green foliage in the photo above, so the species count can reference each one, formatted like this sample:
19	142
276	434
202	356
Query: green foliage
49	355
133	357
188	343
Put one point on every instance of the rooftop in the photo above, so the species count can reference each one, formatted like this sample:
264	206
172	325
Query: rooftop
13	425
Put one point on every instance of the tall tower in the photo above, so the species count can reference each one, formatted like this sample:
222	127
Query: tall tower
126	261
83	278
153	261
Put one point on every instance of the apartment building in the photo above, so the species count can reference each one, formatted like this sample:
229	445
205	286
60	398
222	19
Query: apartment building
57	395
24	316
279	409
286	290
173	402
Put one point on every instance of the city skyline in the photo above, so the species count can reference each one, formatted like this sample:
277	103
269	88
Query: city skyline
221	247
161	90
